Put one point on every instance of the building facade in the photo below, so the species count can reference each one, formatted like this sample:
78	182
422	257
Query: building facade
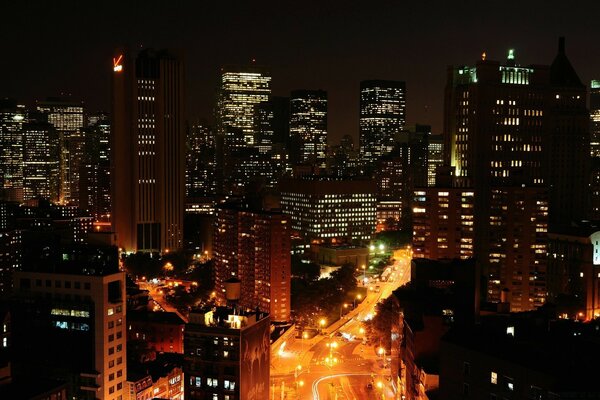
227	355
327	208
12	117
254	247
70	323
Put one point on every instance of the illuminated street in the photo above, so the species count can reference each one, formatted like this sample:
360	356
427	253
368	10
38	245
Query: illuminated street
336	364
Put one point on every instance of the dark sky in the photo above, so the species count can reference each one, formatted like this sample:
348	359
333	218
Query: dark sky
51	47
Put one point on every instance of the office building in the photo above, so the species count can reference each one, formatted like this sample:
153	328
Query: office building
382	117
308	125
227	355
148	151
96	196
68	319
254	247
12	117
68	119
41	162
241	90
326	208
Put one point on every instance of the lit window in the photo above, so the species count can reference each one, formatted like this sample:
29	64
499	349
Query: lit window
494	378
510	330
111	311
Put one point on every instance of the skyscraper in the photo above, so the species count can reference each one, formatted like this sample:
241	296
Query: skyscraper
526	156
68	119
308	125
382	116
12	117
148	151
41	161
241	91
95	177
200	161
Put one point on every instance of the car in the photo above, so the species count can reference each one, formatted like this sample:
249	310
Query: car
370	385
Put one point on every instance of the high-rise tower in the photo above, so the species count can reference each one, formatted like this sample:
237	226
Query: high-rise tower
382	116
148	151
308	124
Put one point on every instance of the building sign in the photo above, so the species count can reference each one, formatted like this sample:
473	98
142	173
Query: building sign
117	66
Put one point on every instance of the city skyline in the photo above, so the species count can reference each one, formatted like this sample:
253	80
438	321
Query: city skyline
212	36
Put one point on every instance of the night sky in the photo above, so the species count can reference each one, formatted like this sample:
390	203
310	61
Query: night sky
58	46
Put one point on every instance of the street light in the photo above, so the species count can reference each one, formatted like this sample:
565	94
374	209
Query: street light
322	323
358	297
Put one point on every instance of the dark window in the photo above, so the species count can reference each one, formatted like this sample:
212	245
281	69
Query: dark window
466	368
77	285
48	283
57	284
25	283
86	285
114	292
67	284
38	282
465	389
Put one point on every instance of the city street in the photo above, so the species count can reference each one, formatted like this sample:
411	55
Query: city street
336	364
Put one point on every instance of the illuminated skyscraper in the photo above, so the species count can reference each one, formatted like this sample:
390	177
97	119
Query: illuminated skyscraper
148	151
242	89
41	161
308	124
435	157
12	116
96	173
68	119
200	161
382	116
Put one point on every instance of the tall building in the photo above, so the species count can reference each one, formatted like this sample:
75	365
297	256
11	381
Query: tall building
200	161
227	355
326	208
41	161
595	118
527	151
531	125
12	117
95	178
68	320
382	117
241	90
148	151
308	125
254	247
68	119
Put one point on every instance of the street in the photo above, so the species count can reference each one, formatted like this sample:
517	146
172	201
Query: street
336	364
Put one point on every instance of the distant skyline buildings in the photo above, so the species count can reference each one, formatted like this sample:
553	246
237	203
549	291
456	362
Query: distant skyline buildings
12	117
308	126
68	119
382	117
